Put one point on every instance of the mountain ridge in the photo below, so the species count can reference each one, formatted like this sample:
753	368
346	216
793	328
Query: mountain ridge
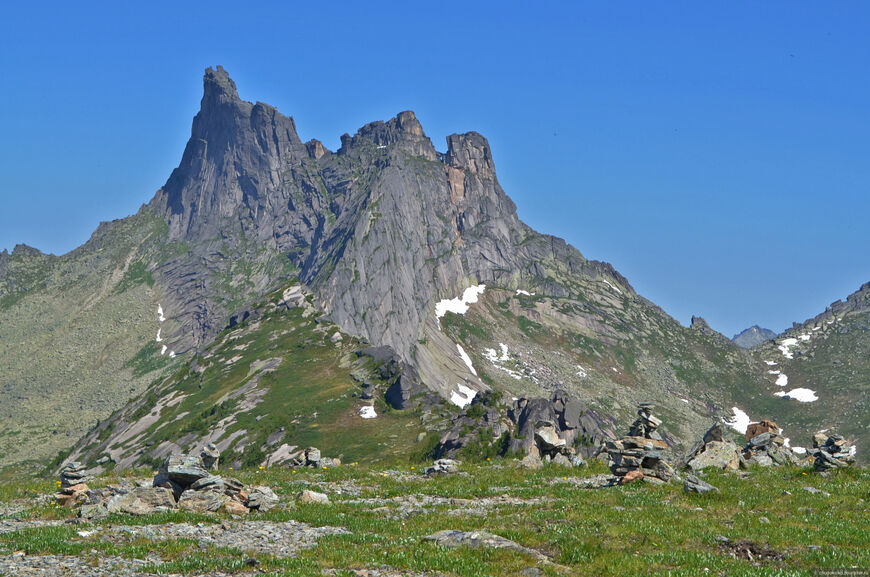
379	233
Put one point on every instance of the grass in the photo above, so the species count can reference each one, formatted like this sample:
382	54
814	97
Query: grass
636	529
311	394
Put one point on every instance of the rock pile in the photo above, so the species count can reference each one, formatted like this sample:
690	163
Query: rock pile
311	457
766	446
73	485
714	450
832	452
182	482
442	467
642	455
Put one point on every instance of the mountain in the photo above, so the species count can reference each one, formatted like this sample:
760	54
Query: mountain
754	335
403	249
818	371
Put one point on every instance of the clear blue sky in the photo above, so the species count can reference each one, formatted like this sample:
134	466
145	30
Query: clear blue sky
716	153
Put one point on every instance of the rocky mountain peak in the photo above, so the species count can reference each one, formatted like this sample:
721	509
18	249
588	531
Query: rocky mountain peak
232	161
217	85
403	131
752	336
470	151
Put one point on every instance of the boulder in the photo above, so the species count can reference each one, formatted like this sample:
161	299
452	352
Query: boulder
631	477
142	501
693	484
233	507
442	467
210	483
182	469
233	486
93	512
532	462
562	460
307	496
262	499
765	426
547	438
312	457
201	501
717	454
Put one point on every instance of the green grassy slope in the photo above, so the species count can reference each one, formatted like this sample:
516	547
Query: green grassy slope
276	379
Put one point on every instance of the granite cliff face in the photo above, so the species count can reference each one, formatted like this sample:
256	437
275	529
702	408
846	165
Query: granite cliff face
380	230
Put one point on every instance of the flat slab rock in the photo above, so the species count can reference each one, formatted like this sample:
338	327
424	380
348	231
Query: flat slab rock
277	539
453	538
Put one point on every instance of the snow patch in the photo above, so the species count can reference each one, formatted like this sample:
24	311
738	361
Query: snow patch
163	350
615	370
685	401
613	287
773	372
785	347
801	395
804	337
494	357
158	339
459	305
463	397
782	380
799	450
739	421
171	354
770	363
815	329
524	293
466	359
160	316
581	372
368	413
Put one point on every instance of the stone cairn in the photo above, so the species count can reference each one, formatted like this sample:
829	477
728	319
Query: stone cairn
73	485
766	447
641	454
210	456
182	482
832	452
311	457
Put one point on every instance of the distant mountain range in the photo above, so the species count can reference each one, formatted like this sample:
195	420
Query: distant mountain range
754	335
275	293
